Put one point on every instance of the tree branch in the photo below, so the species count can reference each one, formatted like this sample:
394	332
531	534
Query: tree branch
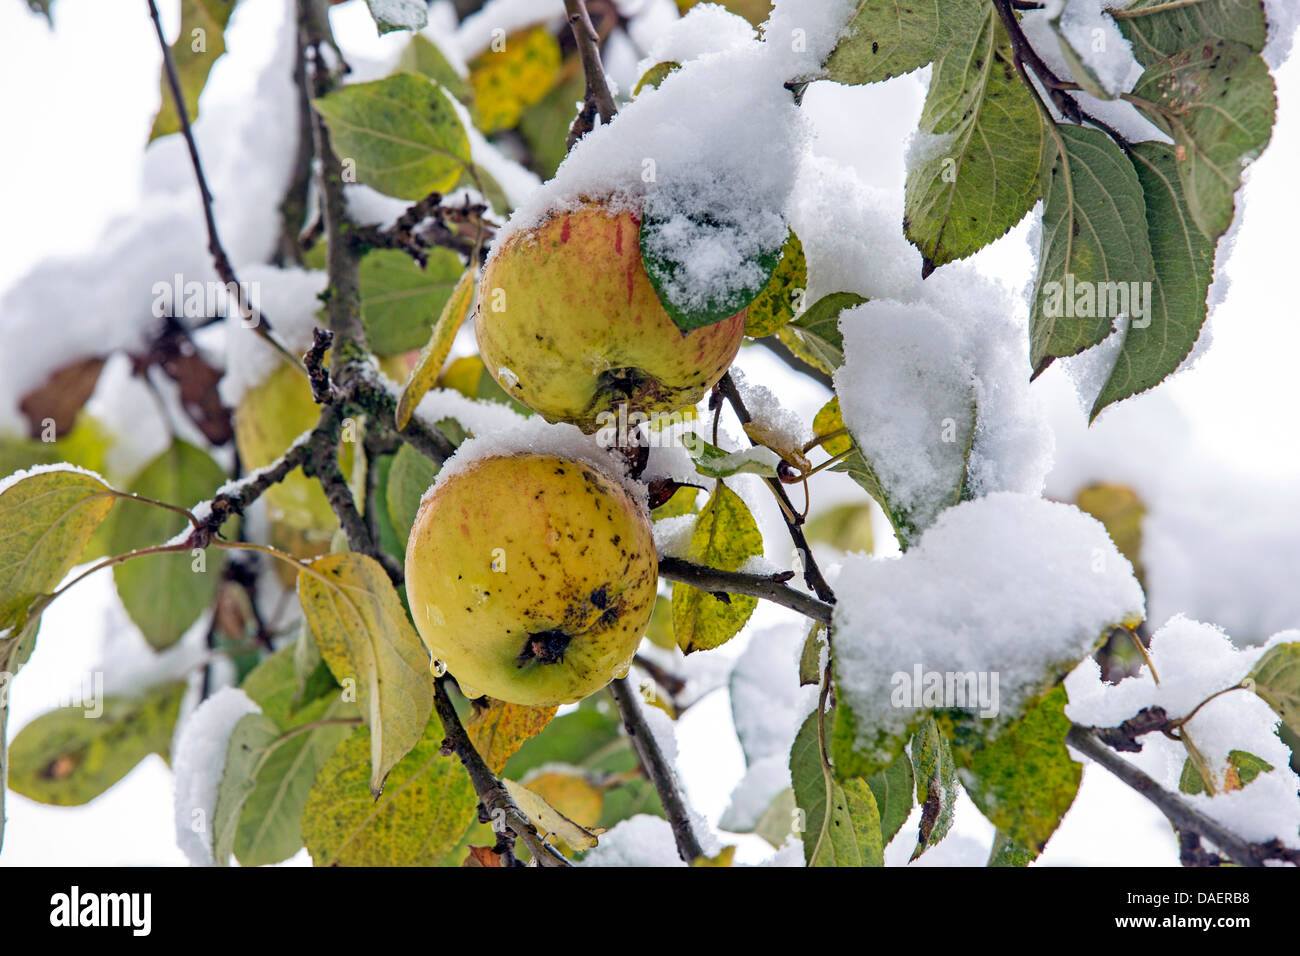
598	98
782	351
812	574
1183	817
220	261
656	767
769	587
495	798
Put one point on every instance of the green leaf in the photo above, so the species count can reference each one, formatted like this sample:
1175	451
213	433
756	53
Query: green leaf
400	301
1155	345
1277	681
936	785
1094	243
198	45
846	527
810	658
1217	101
979	142
371	648
46	520
775	305
69	756
1159	28
725	537
1024	779
892	789
83	445
545	124
390	15
714	462
251	742
1243	767
842	823
411	476
652	77
889	38
402	132
270	822
662	263
422	56
818	330
419	818
1006	852
164	593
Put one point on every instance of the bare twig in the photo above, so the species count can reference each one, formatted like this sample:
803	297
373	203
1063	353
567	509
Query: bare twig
220	261
598	98
656	767
769	587
495	799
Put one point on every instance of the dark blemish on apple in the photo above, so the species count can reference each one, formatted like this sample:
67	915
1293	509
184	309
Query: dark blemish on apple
600	597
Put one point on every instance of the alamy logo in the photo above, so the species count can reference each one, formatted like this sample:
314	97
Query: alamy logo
1085	300
968	690
133	910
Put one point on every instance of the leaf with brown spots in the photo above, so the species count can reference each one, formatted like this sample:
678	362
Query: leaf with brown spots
499	729
61	397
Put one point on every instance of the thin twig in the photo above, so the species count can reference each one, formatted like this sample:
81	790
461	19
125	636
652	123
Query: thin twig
220	261
657	768
598	98
769	587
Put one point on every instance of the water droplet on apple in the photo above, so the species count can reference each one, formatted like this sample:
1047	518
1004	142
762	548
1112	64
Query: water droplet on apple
623	673
437	668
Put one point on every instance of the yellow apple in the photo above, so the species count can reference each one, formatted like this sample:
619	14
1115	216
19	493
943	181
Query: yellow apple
531	577
569	324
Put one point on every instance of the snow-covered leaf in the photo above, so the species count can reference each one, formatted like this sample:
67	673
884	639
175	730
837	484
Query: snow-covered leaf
714	462
370	646
390	15
401	132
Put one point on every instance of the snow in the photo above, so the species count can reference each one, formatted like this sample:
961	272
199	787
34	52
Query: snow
289	300
767	412
535	436
768	705
246	137
406	14
710	154
763	781
1283	18
705	29
198	761
1194	661
1008	586
673	536
641	840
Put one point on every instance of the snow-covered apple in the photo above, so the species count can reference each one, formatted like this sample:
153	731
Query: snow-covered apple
531	577
569	324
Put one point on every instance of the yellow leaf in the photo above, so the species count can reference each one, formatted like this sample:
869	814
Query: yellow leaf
548	820
509	80
498	730
434	354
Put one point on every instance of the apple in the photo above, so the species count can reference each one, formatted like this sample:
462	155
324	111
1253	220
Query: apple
569	324
531	577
